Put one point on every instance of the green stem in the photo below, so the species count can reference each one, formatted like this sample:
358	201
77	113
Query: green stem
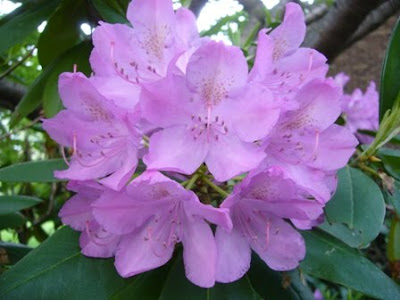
215	187
192	181
369	170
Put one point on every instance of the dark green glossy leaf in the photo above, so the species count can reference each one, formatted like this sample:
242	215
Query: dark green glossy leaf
33	171
277	285
32	99
356	212
390	83
63	30
393	245
57	269
177	286
78	55
45	89
14	252
24	21
12	220
393	196
220	23
11	204
144	286
110	12
330	259
391	161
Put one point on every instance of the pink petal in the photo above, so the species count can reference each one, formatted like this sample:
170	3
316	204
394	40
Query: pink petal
112	44
286	208
76	212
186	27
150	13
282	248
216	71
217	216
199	252
336	146
80	96
254	114
314	181
119	91
64	126
137	253
319	107
114	211
168	102
234	255
263	63
124	170
302	66
154	24
290	33
175	149
98	243
229	157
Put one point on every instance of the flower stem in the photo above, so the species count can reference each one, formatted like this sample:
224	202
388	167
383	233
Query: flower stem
215	187
192	181
368	170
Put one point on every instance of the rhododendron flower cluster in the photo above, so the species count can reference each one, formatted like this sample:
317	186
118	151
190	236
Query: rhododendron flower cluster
360	111
255	153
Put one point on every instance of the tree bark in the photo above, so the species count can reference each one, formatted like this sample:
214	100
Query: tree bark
330	34
196	6
10	94
374	20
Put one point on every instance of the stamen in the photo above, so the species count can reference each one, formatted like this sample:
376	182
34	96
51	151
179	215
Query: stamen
208	122
314	153
63	155
267	235
74	143
149	239
93	239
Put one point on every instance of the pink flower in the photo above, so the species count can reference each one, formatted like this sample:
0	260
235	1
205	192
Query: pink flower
152	216
280	63
103	139
210	115
307	143
257	207
361	111
123	57
77	213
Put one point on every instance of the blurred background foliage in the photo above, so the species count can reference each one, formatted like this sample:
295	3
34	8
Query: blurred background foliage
40	39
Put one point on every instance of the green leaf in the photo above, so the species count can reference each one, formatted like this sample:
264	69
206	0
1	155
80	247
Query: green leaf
12	220
393	245
78	55
63	30
220	23
109	12
177	286
393	196
45	87
331	260
391	161
390	83
276	285
24	21
58	268
32	99
356	212
14	252
33	171
11	204
144	286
